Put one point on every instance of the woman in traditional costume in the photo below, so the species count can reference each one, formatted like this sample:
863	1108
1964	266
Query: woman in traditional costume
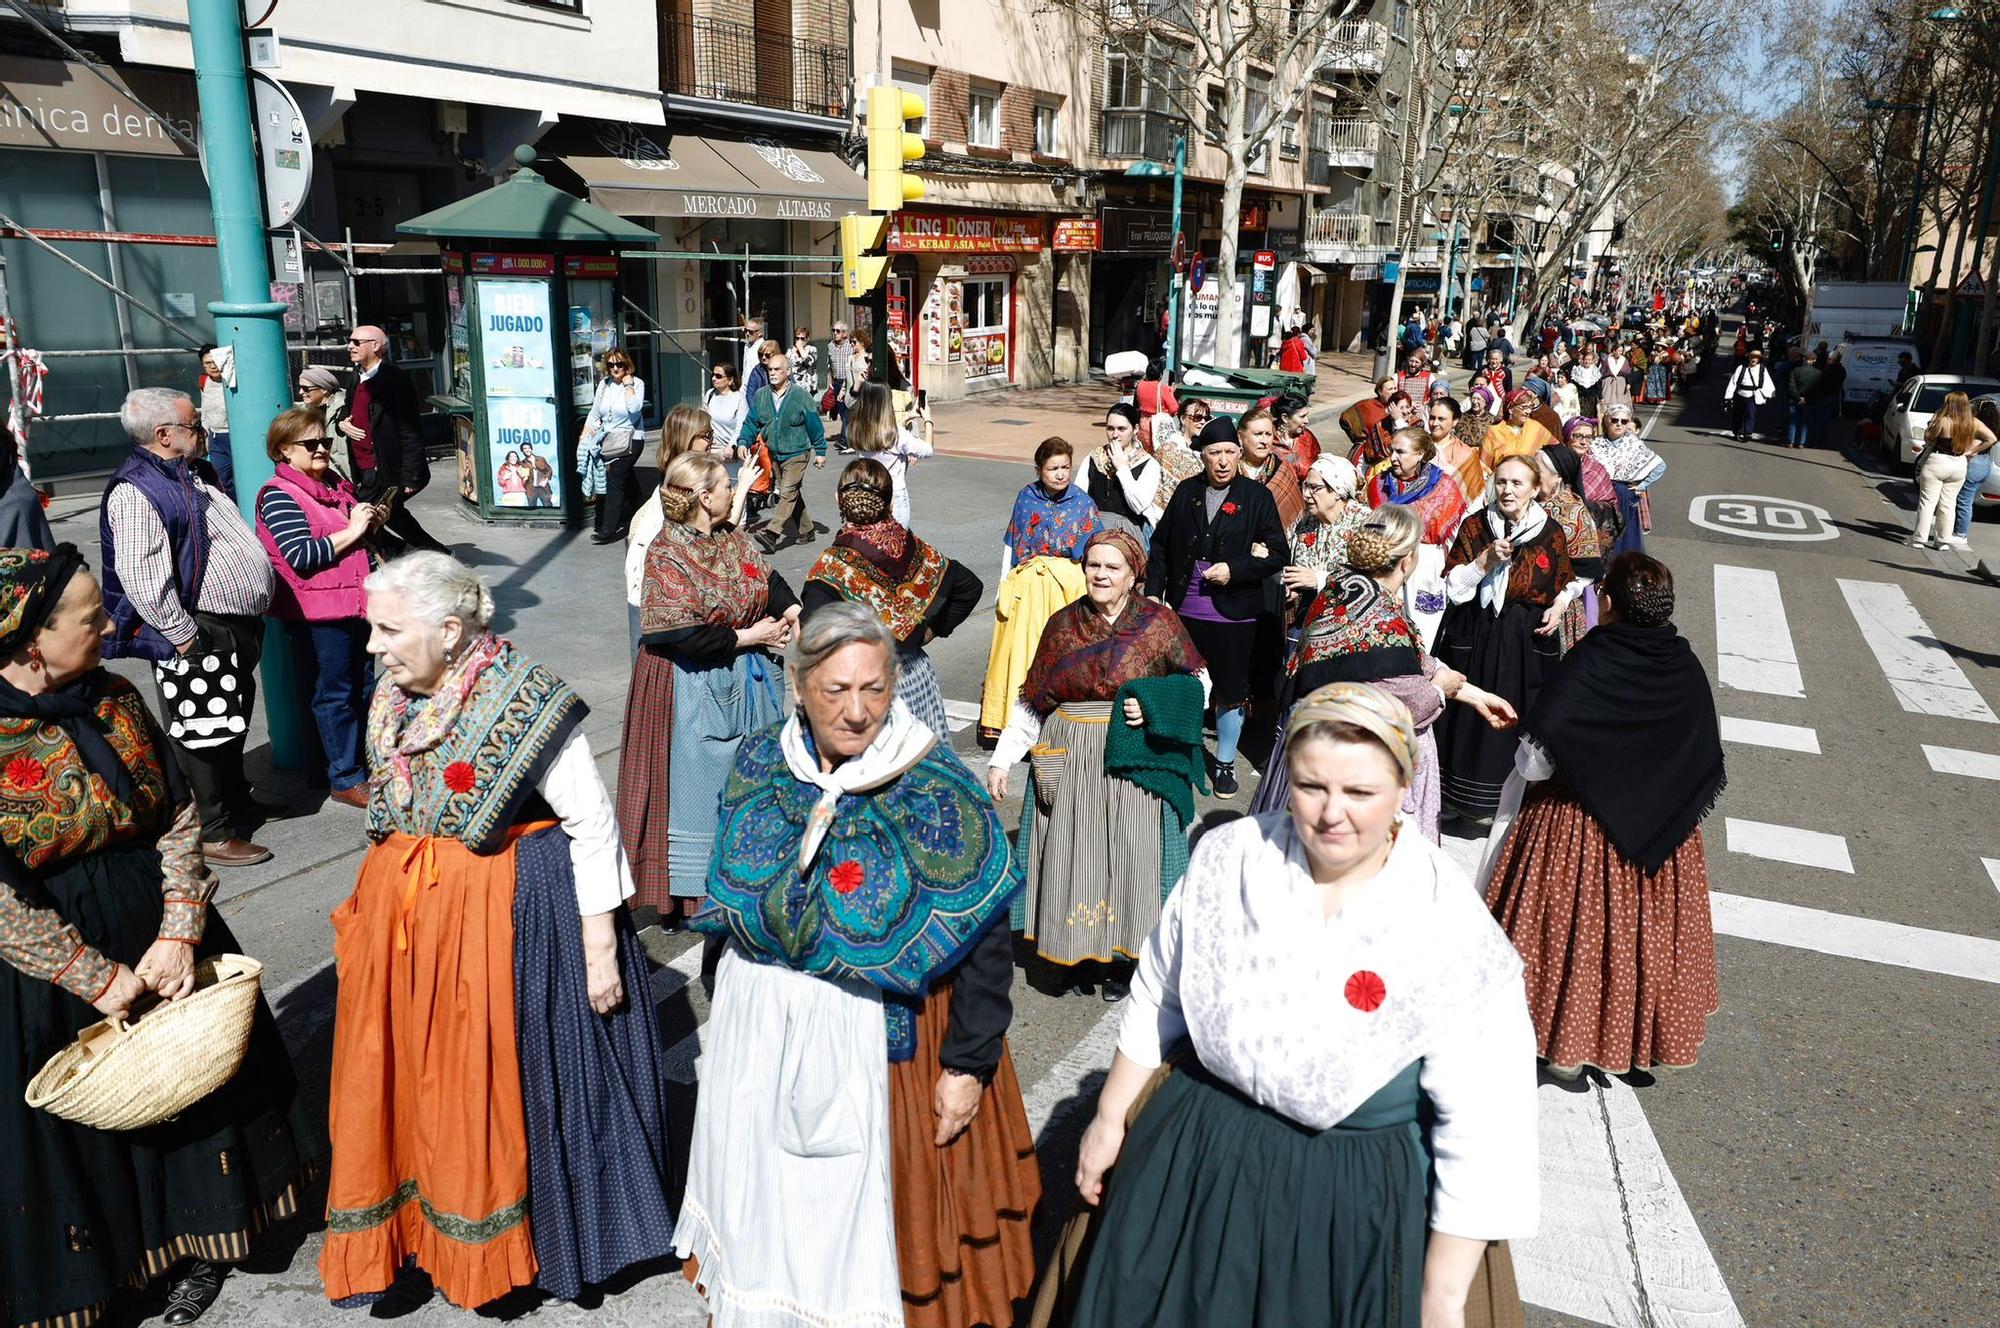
1040	571
1459	455
1519	435
1362	421
1559	483
710	610
103	904
917	592
498	1113
1587	373
1509	580
1121	477
1633	468
1115	683
1359	630
1298	447
1326	983
1414	480
1257	432
1319	538
1596	867
862	881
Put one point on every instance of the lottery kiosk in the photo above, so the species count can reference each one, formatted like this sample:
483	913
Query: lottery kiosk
531	281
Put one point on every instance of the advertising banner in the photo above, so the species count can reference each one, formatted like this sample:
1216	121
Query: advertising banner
514	328
938	233
521	448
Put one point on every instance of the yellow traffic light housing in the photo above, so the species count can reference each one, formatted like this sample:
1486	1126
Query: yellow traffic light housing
861	271
890	145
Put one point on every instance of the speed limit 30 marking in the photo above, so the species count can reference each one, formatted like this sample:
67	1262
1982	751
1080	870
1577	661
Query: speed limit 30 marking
1755	516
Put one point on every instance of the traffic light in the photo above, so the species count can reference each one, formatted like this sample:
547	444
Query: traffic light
1777	242
890	145
860	270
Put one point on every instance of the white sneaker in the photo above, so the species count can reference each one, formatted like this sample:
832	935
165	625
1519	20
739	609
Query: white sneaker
1955	542
1920	544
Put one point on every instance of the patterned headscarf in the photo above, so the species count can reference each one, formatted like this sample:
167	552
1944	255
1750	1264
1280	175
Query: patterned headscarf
1579	422
1518	396
31	585
1367	708
1126	543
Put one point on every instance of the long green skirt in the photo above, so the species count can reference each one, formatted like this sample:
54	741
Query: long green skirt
1224	1213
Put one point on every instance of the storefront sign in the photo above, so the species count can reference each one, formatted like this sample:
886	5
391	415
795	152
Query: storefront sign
1367	272
936	233
1137	230
986	355
597	265
58	104
514	328
1077	235
514	265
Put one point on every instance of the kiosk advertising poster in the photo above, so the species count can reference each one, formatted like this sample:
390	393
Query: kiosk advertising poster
523	453
519	384
514	316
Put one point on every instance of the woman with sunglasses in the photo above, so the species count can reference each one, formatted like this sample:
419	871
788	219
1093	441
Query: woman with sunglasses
319	389
611	434
319	536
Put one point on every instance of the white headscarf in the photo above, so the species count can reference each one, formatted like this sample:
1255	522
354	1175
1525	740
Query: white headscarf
903	741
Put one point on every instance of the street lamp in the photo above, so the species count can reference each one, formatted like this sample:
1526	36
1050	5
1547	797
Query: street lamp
1153	169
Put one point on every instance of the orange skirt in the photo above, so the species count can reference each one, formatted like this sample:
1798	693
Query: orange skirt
963	1211
430	1148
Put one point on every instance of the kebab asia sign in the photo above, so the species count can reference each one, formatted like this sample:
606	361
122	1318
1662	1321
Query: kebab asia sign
943	233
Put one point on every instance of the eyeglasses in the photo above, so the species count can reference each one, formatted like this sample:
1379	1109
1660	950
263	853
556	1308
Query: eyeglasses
1314	488
195	429
1198	417
718	374
617	364
363	341
317	443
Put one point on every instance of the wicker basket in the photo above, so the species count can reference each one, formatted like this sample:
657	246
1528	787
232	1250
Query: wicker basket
126	1076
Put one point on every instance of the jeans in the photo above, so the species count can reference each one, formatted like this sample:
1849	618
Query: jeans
223	459
333	663
1795	432
1977	468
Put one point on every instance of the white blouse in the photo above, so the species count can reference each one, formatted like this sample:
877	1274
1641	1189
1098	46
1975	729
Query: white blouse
575	793
1264	988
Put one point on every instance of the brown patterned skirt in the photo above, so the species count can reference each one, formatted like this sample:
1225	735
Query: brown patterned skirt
1620	962
644	763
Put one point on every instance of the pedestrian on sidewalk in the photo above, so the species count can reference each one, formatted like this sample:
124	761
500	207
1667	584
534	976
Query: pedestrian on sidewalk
875	432
840	373
1952	436
1828	391
614	428
803	357
320	536
218	375
1799	385
495	1053
385	436
786	419
186	584
1978	466
910	1153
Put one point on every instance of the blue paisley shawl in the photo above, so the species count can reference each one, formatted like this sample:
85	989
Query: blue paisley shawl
935	871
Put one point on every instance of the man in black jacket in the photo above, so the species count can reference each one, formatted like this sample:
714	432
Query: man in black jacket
384	438
1214	552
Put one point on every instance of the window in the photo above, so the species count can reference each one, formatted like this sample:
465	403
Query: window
1288	139
1124	85
914	78
982	120
1257	156
1045	129
1399	23
986	304
1218	125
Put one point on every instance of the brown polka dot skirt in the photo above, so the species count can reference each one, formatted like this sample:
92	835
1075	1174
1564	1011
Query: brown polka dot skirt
1620	962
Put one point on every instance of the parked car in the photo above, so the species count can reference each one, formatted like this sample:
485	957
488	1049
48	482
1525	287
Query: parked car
1911	407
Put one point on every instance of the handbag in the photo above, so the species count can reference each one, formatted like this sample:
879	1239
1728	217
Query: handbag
1645	512
828	401
767	470
205	698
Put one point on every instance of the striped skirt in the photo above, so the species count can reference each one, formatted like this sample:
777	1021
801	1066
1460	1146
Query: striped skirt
1094	855
917	688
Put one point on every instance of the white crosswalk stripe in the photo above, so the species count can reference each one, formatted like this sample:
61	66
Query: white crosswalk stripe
1921	672
1953	761
1787	843
1753	639
1759	733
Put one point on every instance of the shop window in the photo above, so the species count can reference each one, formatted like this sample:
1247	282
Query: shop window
982	121
985	337
1045	129
914	78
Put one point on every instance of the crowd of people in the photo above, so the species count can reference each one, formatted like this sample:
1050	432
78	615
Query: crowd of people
1442	612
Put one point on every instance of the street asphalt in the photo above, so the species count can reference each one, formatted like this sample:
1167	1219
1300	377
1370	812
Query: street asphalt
1831	1161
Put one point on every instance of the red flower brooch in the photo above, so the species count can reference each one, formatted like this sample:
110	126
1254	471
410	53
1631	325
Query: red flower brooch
750	571
1310	538
1365	991
459	777
847	876
1229	509
25	772
1541	560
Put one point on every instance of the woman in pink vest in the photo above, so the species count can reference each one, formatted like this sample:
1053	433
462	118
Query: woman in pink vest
317	533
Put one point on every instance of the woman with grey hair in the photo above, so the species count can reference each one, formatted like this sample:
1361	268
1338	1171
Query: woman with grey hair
497	1109
319	390
861	881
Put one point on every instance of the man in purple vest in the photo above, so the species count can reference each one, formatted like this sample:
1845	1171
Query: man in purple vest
185	579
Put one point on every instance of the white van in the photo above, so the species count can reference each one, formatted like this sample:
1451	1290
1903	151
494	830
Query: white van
1872	367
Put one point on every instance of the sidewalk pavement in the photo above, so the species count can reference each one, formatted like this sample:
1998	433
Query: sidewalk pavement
1009	425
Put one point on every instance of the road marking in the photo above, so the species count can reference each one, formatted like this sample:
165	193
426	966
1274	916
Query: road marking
1786	843
1952	761
961	715
678	1064
1849	937
1761	517
1753	640
1921	672
1060	1092
1758	733
1993	870
1608	1195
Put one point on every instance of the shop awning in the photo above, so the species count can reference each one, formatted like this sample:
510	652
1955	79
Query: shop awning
648	173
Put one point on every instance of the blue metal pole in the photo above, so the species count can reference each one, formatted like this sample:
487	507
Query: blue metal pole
246	317
1451	265
1174	288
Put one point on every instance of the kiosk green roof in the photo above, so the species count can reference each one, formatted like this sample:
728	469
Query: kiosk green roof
527	207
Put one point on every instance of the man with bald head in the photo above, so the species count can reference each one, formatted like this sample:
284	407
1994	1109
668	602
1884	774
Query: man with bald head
384	440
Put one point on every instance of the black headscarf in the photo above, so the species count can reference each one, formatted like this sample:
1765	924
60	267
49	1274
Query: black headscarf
1622	689
1219	429
32	582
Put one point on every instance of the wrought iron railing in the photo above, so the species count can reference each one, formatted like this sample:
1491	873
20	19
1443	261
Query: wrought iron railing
1359	46
1147	134
722	60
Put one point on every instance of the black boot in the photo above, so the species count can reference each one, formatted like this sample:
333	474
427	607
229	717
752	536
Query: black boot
190	1294
410	1292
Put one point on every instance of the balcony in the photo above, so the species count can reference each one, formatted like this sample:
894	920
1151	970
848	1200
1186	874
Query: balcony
1359	47
1148	134
1343	237
723	61
1355	143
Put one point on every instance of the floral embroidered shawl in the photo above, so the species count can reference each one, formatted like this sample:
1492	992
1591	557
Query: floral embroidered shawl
1044	525
1322	545
1356	632
720	579
1435	495
886	568
1083	658
1537	572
